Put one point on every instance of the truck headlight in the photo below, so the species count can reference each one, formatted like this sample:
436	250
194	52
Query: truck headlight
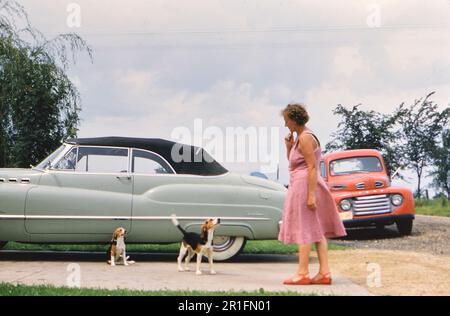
396	199
345	205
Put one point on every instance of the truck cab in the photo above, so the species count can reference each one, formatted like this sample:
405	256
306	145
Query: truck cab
362	190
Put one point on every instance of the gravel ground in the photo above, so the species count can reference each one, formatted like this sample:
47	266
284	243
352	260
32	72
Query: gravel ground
394	272
418	264
430	234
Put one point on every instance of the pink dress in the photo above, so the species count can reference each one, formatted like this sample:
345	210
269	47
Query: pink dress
300	224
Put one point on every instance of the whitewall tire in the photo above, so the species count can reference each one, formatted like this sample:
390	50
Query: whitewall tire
226	247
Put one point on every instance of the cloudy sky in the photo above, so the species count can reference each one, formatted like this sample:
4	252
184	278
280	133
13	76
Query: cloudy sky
164	66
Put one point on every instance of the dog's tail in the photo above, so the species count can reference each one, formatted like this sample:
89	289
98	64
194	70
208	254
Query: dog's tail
177	224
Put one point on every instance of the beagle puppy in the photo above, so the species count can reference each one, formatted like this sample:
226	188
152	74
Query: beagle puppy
200	244
117	249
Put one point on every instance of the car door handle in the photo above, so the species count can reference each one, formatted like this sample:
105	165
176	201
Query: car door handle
124	177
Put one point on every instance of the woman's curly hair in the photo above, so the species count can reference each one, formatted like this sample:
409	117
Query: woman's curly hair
296	112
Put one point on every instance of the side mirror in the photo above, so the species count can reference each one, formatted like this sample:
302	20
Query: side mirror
48	166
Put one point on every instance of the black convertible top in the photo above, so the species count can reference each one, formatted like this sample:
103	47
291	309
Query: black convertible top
185	159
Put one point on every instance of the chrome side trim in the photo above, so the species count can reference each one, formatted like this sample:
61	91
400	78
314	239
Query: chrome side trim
200	218
130	157
127	217
149	151
143	174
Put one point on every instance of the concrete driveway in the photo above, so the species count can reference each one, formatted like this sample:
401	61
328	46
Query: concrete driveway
159	272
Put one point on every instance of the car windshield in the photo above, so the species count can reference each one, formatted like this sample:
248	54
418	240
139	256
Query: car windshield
47	161
354	165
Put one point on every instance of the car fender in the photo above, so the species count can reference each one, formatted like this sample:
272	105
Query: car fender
12	211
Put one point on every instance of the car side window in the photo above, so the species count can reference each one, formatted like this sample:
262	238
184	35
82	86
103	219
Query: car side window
68	162
102	160
323	172
149	163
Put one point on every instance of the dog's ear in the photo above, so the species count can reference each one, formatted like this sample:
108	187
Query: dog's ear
204	231
115	233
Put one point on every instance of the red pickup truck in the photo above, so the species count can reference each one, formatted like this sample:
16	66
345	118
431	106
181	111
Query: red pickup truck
363	193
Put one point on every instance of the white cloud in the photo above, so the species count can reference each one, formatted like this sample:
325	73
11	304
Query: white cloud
348	63
224	103
414	51
140	82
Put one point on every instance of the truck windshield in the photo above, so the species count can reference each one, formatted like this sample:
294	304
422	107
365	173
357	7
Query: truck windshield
355	164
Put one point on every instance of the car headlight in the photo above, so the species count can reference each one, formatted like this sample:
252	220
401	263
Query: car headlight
396	199
345	205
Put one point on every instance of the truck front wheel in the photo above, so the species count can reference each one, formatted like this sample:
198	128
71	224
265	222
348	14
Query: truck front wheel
404	226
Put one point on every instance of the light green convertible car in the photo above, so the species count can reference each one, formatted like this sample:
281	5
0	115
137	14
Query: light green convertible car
90	186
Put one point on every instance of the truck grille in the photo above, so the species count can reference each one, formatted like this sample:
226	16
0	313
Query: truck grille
371	204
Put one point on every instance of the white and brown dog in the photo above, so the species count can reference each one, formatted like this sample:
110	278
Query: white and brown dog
117	249
200	244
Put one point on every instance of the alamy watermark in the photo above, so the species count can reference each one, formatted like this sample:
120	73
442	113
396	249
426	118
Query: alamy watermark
74	15
232	144
374	277
373	20
74	277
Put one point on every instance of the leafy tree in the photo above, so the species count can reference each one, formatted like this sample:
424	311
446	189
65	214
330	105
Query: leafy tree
360	129
441	162
39	105
421	125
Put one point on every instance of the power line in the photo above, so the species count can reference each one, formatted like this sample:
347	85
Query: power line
269	30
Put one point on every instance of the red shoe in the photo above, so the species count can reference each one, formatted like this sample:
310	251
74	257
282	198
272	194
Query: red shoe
320	278
299	279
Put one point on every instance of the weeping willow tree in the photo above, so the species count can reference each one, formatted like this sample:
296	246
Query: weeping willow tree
39	105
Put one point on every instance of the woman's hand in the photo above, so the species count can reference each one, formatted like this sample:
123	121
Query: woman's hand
289	140
311	203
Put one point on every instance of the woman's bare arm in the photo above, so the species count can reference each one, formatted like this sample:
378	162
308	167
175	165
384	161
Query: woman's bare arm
307	147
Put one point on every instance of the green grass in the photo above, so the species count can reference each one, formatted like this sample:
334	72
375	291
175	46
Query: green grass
252	247
435	207
7	289
275	247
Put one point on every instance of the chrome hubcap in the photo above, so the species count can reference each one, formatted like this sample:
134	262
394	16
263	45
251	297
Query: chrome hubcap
222	243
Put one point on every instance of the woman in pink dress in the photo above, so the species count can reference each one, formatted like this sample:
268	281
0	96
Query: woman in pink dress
310	214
